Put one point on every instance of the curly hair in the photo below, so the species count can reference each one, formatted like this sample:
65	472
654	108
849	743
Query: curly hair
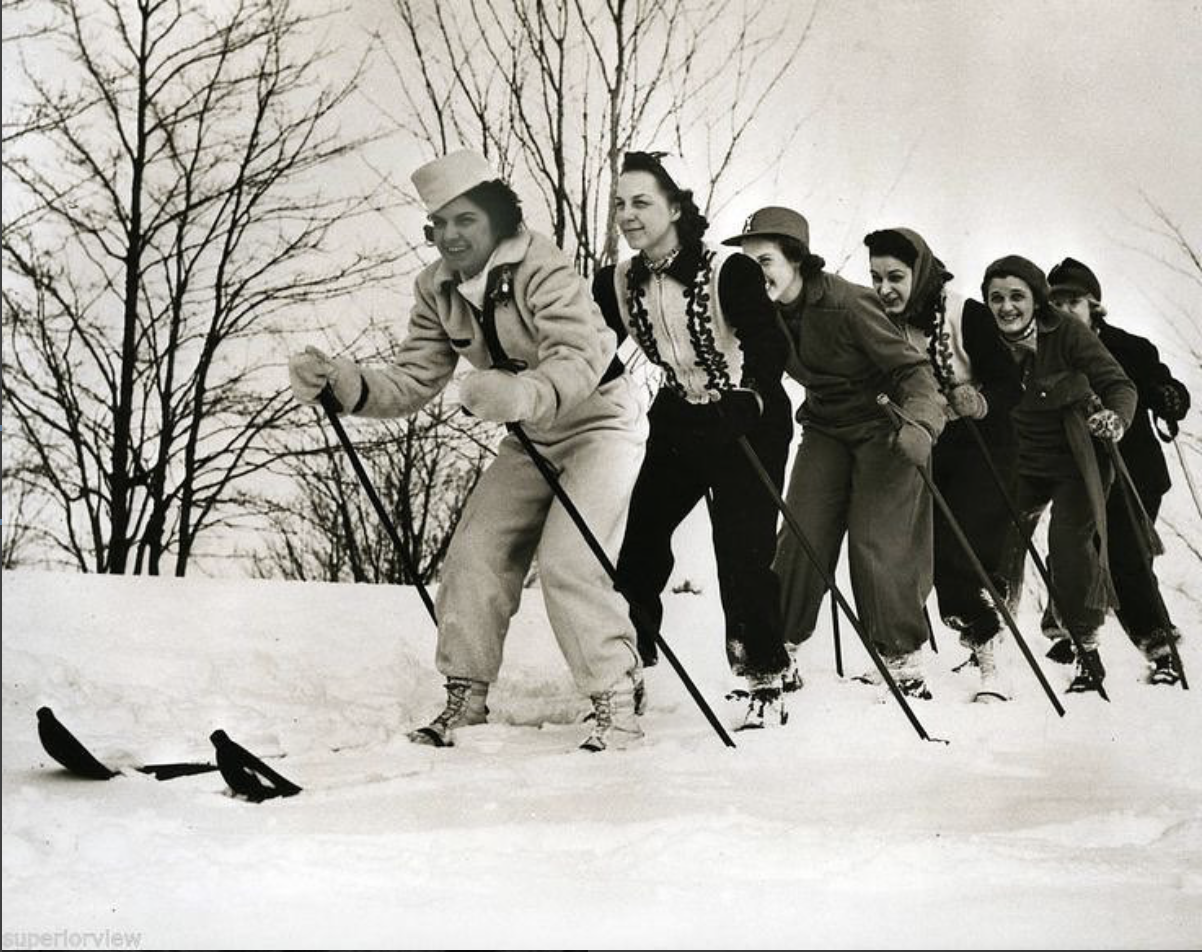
500	205
691	225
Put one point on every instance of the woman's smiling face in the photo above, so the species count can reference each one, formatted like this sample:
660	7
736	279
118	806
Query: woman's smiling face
464	236
1012	303
645	216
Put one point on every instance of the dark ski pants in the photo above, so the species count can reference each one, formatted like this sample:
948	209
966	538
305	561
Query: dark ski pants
688	455
860	485
1135	580
1073	557
962	475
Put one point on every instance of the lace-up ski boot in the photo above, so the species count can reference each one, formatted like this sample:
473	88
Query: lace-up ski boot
615	723
993	684
764	697
791	681
1158	649
1090	672
465	706
908	674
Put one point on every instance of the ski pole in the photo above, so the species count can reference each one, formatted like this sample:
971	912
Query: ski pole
1140	523
638	614
926	616
1029	543
896	415
827	577
838	642
330	404
1189	477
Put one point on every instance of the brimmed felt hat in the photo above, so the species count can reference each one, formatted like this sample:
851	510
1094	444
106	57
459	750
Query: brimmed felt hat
774	222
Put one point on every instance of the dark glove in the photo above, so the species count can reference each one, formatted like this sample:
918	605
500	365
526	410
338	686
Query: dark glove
739	410
1172	401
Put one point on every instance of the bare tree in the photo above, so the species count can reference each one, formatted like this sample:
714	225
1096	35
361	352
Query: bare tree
1166	243
423	467
557	90
170	211
22	521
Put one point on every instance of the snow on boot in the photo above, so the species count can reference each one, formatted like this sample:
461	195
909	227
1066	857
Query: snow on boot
968	664
1158	649
765	703
1090	672
993	685
1163	671
615	721
791	680
908	675
640	692
1062	651
465	706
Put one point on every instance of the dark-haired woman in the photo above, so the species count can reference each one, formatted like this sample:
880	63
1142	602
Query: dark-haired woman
854	473
701	316
981	385
509	302
1074	392
1077	293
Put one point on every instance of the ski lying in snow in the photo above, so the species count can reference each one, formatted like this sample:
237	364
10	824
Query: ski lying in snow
65	748
246	774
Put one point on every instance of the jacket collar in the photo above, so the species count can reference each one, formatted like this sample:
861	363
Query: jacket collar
815	288
683	268
1048	319
509	251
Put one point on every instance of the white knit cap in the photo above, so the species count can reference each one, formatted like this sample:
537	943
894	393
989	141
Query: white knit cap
446	178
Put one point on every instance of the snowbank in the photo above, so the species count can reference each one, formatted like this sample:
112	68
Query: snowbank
841	829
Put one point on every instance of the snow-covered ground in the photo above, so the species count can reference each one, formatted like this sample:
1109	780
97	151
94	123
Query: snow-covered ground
841	829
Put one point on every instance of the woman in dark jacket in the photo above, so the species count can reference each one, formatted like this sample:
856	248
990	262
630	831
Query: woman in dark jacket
701	315
1075	291
1074	392
854	474
981	384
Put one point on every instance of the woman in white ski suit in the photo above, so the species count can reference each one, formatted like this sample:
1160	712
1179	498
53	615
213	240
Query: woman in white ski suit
503	296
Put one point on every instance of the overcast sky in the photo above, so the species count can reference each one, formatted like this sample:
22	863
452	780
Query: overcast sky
990	126
993	126
1029	127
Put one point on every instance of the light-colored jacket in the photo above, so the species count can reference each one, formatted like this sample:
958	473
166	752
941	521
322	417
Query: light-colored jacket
546	319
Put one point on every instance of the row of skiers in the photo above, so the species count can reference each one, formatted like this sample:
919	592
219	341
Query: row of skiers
1035	372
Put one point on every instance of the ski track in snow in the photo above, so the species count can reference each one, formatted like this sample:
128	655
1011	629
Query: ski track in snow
841	829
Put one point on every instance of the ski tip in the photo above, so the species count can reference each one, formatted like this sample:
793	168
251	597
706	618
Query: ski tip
65	749
247	775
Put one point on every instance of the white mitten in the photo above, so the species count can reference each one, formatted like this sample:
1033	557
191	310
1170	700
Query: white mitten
498	396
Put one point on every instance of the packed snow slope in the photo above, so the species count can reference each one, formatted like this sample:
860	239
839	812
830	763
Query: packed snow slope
840	829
